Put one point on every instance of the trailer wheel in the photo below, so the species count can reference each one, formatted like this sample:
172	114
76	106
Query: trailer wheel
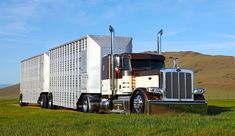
85	104
50	102
44	101
21	103
138	102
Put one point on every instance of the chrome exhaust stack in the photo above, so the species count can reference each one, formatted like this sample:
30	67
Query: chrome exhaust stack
112	83
159	34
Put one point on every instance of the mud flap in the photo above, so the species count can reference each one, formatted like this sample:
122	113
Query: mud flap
163	107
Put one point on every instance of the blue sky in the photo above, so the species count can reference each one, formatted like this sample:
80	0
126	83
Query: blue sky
30	27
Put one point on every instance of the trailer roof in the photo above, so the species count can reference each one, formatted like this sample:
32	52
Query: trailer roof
105	41
34	56
101	40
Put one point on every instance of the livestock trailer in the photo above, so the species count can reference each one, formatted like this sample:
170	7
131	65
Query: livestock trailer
75	68
34	79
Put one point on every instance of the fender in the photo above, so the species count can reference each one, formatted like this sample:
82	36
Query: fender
149	96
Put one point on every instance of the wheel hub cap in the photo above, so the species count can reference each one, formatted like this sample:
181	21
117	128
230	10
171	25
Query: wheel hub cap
138	103
84	106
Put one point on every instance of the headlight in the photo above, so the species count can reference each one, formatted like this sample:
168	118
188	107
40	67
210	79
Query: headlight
155	90
199	91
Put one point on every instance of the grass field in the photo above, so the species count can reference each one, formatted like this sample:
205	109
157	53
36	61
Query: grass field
32	120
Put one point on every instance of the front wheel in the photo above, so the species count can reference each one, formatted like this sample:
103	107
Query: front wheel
138	102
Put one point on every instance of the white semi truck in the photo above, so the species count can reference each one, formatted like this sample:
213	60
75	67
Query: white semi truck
101	74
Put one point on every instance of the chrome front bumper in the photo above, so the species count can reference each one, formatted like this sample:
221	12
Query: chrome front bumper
163	107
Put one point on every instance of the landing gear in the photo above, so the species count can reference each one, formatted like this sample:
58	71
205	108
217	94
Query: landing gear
138	102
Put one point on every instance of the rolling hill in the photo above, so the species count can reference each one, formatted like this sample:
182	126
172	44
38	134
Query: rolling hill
214	73
11	91
4	85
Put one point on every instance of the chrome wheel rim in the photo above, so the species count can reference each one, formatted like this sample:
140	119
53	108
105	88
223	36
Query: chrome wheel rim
138	103
20	101
50	103
41	103
85	106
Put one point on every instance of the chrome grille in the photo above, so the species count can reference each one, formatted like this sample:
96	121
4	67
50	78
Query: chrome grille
178	85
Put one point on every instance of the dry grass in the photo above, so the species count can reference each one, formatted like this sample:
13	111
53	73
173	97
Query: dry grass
214	73
11	91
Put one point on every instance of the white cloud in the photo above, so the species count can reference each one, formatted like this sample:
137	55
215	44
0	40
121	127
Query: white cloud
15	16
232	36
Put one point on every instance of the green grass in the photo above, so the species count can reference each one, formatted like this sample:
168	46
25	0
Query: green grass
32	120
215	93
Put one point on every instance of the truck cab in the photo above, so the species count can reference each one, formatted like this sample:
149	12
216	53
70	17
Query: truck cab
132	70
141	78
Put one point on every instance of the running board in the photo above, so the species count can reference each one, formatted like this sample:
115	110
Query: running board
121	106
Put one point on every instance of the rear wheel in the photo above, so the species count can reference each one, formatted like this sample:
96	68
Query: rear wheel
50	102
44	101
21	103
85	104
138	102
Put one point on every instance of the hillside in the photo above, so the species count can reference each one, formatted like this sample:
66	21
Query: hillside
11	91
4	85
214	73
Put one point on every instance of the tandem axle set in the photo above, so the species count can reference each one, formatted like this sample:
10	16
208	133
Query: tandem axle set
101	74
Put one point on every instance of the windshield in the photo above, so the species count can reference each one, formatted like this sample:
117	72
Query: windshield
146	64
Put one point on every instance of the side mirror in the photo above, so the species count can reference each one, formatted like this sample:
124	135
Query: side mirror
117	61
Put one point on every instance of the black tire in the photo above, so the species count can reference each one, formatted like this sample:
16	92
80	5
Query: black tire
138	102
79	108
50	102
21	100
85	104
44	101
199	97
